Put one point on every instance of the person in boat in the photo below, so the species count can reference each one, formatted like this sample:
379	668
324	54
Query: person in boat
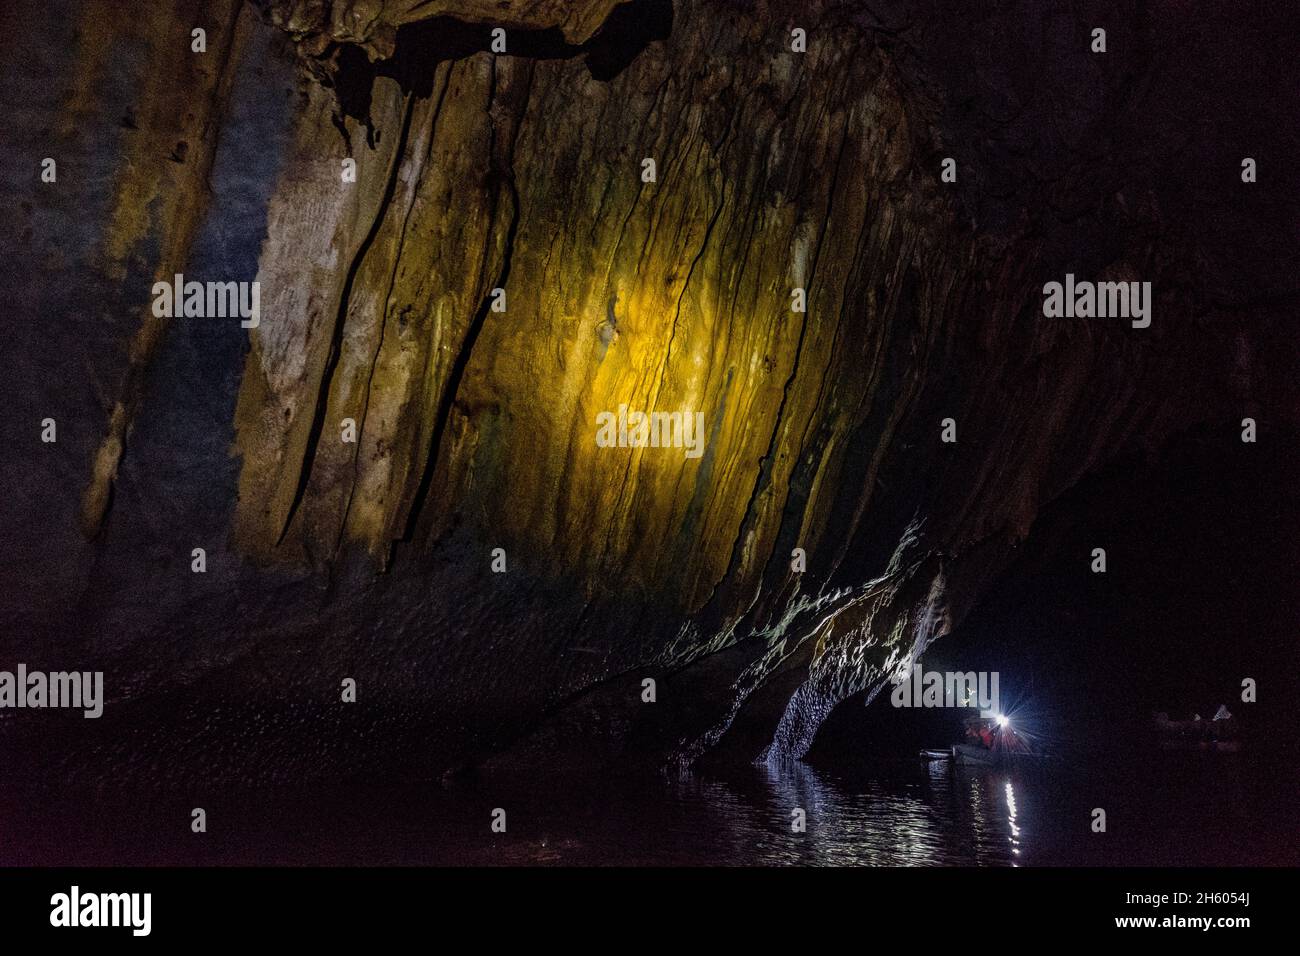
980	732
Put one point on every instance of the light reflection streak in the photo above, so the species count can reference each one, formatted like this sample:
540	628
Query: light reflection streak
941	816
1011	821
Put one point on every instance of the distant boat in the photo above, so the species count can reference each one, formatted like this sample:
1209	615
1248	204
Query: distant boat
1221	734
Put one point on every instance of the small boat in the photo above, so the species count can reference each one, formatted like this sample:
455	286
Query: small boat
1220	734
996	744
965	753
979	756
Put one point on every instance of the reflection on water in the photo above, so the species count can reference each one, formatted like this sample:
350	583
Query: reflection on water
916	814
933	814
949	816
905	812
1011	822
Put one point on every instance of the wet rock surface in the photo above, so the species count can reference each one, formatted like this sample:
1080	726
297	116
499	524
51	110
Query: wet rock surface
476	428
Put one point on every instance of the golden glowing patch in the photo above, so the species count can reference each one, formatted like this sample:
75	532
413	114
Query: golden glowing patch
671	297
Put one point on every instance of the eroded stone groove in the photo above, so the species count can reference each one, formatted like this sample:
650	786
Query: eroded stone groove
184	139
336	336
463	355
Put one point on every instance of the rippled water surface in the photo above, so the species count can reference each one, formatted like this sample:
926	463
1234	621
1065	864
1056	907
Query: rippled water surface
905	812
935	815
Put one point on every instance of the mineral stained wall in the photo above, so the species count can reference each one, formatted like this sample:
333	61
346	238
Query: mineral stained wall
477	228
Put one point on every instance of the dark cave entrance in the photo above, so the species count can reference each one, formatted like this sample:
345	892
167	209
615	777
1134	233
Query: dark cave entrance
1091	656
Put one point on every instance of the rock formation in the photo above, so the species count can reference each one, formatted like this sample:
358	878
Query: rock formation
474	410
